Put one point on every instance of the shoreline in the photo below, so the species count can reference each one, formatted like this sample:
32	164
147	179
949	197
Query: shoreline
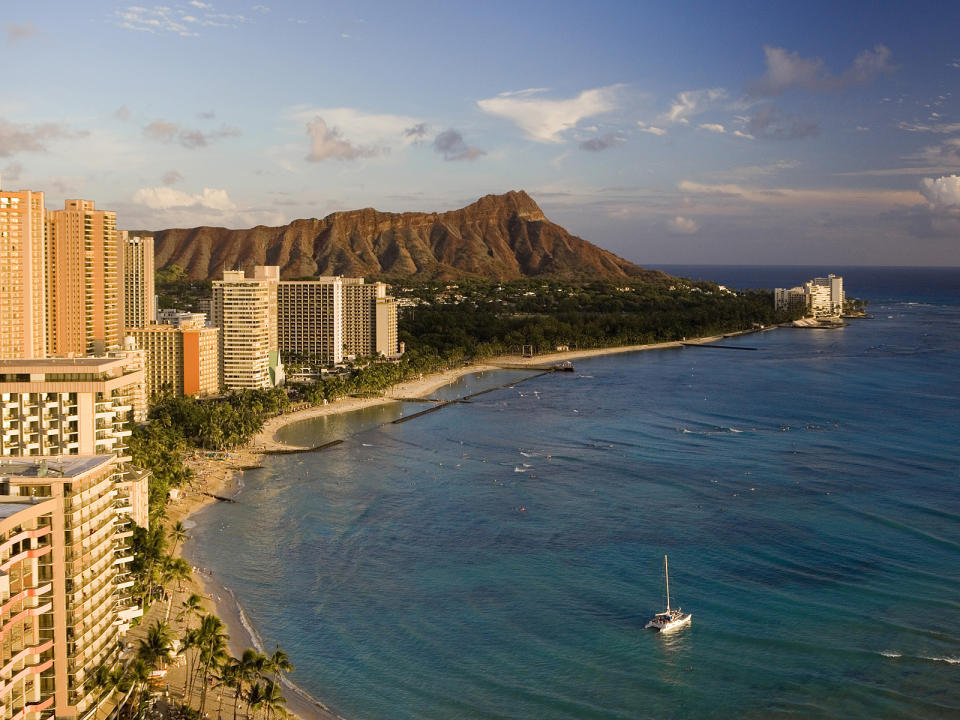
265	442
222	476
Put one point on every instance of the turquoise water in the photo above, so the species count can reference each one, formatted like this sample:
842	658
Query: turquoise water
498	559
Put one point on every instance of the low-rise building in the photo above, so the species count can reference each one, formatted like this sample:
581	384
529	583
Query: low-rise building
181	318
184	360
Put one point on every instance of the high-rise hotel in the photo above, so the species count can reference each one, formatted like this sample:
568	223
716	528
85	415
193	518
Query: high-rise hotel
139	299
245	310
23	325
331	318
83	277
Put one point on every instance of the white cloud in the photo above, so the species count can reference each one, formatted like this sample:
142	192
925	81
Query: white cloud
165	198
545	120
740	133
942	193
682	226
176	19
692	102
712	127
652	129
940	128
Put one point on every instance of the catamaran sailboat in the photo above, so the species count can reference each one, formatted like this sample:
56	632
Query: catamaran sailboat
668	620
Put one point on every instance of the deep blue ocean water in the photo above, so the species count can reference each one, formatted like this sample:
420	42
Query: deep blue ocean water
498	559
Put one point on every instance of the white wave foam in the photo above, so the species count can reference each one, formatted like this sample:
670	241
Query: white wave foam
951	660
929	658
247	625
519	469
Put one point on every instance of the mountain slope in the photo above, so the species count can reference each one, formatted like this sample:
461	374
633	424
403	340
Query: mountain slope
500	237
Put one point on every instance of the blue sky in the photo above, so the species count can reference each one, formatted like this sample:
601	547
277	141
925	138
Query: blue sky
681	132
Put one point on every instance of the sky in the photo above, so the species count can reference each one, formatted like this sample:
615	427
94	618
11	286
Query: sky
668	132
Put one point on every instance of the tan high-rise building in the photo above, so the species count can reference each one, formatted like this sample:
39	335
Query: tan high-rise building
387	342
245	310
310	319
360	316
23	316
83	277
139	298
80	592
185	360
369	319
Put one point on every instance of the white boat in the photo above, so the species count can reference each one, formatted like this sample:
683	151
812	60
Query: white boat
670	619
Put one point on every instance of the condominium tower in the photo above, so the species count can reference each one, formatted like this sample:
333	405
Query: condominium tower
71	598
22	280
83	278
245	310
369	319
139	300
310	319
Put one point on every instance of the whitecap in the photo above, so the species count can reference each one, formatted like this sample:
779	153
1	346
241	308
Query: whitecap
519	469
951	660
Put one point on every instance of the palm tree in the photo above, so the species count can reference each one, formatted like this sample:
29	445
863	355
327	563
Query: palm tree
273	700
279	664
254	699
193	605
139	674
189	642
178	533
213	650
244	671
155	648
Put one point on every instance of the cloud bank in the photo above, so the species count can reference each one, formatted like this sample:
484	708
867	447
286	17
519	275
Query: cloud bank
166	198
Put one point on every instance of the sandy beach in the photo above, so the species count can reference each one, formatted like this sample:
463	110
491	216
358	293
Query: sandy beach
218	474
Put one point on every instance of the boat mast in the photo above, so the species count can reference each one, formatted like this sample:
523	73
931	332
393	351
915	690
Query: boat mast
666	572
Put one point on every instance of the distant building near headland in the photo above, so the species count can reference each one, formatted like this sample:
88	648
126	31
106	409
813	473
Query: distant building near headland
820	297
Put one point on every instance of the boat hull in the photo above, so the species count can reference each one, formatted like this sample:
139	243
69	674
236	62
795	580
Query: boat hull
670	626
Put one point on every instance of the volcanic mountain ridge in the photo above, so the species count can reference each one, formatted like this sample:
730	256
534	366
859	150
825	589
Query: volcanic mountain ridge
499	237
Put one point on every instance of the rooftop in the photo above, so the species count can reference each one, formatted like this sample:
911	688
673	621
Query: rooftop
12	508
51	466
12	365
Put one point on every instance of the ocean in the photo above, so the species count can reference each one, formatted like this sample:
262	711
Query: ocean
499	558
